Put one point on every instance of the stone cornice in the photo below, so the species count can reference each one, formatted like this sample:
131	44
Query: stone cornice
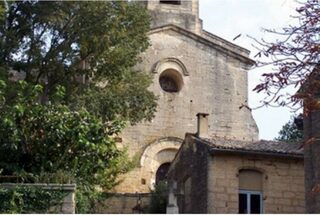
225	47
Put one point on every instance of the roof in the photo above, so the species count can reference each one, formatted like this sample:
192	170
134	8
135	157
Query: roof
255	147
211	40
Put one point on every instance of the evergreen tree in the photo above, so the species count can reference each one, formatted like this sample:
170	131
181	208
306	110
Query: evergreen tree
291	132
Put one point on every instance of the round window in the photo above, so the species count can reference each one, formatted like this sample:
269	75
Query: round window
171	81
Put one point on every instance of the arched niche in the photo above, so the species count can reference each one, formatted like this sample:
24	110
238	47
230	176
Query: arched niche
158	153
170	63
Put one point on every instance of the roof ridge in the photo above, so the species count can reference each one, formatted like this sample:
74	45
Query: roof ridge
260	146
214	36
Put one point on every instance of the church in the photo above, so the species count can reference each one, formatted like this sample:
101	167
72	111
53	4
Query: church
200	138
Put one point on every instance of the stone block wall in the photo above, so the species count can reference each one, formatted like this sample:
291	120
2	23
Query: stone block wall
215	83
122	203
185	15
189	170
283	183
68	204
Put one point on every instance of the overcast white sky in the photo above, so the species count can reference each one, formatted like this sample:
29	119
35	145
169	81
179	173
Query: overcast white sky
229	18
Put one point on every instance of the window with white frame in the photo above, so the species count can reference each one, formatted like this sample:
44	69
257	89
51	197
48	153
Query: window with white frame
250	202
250	192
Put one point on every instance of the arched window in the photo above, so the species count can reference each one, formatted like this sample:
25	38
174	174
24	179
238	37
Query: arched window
162	171
250	191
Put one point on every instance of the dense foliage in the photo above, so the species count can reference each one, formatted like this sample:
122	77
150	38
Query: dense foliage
46	142
67	87
290	132
24	199
90	48
159	199
38	138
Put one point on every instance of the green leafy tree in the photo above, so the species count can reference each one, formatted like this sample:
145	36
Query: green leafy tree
79	89
90	48
44	141
2	13
290	132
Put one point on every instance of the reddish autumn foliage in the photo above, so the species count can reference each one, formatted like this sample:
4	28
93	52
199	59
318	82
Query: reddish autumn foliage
296	57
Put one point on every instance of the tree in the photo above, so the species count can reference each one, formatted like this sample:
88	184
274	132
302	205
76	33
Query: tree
51	143
90	48
79	89
295	58
291	132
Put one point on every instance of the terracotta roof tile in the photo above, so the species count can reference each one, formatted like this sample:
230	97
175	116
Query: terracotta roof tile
256	146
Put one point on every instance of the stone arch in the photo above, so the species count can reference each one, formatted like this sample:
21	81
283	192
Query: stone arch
251	178
159	152
155	150
170	63
254	168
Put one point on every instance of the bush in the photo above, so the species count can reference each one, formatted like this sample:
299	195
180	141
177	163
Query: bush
159	199
22	199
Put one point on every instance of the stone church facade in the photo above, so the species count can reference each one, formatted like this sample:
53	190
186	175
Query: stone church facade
193	71
197	72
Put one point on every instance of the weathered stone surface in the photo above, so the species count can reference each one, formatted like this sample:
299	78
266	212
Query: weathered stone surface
214	80
217	176
193	163
278	195
185	15
312	162
123	203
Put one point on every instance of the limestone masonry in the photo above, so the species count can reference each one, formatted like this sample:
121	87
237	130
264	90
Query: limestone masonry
222	176
200	141
193	71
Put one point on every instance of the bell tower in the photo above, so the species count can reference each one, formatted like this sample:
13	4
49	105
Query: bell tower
182	13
